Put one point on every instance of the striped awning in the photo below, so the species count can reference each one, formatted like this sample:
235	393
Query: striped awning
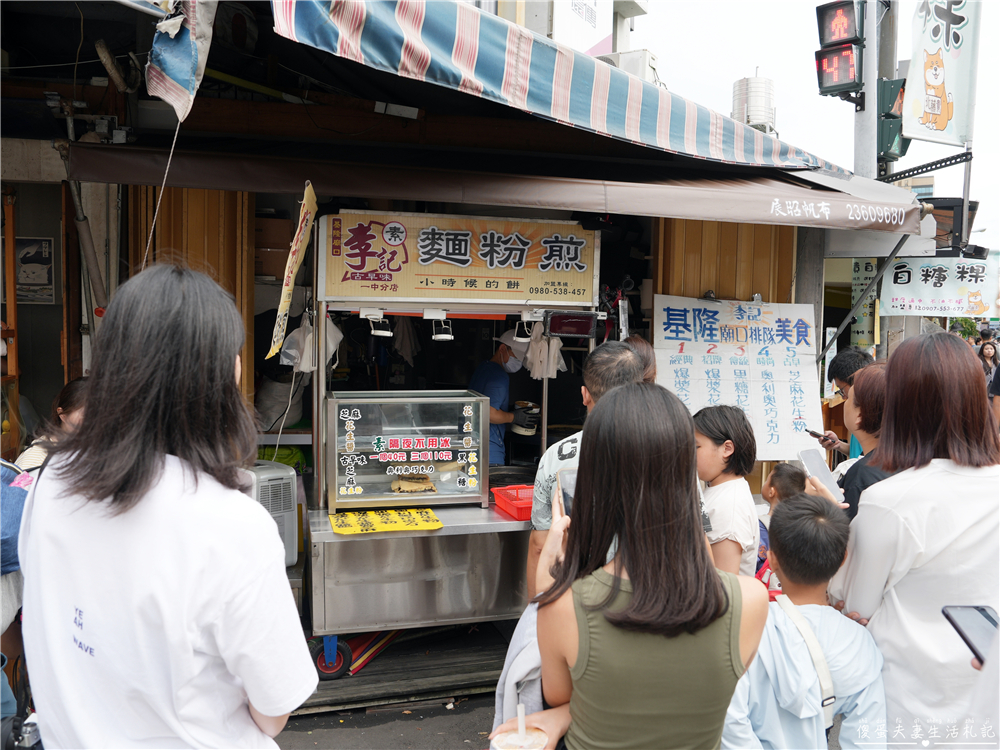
454	44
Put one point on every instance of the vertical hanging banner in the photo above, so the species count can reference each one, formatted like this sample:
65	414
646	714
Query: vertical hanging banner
940	98
298	250
863	329
179	54
759	357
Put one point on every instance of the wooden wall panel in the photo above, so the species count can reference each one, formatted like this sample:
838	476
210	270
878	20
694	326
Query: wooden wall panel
734	260
208	230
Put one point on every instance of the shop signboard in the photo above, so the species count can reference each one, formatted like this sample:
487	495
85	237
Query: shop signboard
940	97
468	259
759	357
952	287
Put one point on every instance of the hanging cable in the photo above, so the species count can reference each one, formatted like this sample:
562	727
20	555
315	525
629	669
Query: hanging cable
78	48
159	198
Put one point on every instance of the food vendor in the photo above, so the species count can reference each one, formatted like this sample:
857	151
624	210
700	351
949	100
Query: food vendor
492	379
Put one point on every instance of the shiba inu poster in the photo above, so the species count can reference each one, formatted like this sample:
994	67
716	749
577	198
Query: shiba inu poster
940	96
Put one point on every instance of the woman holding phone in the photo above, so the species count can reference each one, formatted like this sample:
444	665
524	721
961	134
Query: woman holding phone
927	536
157	611
645	650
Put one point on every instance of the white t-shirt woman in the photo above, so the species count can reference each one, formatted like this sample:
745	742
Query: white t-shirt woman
731	510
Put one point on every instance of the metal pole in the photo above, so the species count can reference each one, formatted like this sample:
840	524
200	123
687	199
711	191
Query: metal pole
864	295
545	413
866	120
965	197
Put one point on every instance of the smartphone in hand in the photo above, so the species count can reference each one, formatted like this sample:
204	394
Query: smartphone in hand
815	466
815	434
566	482
976	625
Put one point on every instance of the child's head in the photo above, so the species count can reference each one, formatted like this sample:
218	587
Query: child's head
808	537
725	442
784	481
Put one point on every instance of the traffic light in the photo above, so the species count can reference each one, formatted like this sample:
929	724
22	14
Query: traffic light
838	63
891	143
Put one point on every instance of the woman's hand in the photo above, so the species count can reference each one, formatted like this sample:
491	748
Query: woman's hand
555	543
830	441
817	488
863	621
553	722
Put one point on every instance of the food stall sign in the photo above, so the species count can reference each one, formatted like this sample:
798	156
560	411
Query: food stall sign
757	356
469	259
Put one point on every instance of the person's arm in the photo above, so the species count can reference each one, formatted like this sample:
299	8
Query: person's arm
880	552
996	407
269	725
727	555
558	644
535	545
753	617
864	707
498	416
737	732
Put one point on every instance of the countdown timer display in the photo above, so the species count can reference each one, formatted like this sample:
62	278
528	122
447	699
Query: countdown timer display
838	69
838	23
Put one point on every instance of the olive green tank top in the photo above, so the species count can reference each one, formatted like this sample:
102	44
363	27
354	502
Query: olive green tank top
642	690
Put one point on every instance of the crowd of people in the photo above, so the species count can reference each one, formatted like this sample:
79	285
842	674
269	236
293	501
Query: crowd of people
648	626
651	629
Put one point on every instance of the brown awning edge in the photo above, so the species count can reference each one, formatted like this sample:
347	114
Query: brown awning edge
806	201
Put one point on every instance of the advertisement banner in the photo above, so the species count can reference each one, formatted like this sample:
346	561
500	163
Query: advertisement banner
952	287
759	357
296	253
863	329
35	270
940	98
414	257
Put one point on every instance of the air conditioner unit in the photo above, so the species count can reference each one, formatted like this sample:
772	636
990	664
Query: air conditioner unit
640	63
273	486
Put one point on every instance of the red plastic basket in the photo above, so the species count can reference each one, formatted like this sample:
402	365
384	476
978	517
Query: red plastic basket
515	500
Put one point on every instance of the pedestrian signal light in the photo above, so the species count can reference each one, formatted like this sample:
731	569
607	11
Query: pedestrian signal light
838	23
891	143
838	69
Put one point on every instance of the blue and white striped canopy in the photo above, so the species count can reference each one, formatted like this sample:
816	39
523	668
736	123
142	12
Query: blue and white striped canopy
453	44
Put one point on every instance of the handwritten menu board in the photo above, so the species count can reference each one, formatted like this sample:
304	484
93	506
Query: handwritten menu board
759	357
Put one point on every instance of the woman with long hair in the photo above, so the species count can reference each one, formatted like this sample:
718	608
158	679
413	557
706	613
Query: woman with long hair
927	536
157	611
643	651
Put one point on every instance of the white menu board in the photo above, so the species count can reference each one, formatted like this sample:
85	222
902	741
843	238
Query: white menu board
760	357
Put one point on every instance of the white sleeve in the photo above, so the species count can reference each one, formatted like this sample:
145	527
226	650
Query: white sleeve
880	551
862	713
261	640
737	733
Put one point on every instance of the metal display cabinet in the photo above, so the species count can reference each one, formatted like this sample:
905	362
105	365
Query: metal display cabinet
388	449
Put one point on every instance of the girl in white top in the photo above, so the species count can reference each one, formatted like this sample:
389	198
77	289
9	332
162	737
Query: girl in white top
927	536
157	610
726	451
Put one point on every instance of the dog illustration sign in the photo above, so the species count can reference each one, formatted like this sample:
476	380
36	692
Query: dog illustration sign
940	96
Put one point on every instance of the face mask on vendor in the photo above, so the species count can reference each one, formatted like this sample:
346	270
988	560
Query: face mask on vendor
512	364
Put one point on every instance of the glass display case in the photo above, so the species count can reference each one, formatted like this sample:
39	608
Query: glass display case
389	449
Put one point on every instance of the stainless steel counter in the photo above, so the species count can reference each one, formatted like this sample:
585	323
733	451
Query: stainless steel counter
471	570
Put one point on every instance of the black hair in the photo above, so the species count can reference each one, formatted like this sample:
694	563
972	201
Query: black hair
652	509
722	423
163	382
808	535
610	365
847	362
69	399
787	480
986	335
